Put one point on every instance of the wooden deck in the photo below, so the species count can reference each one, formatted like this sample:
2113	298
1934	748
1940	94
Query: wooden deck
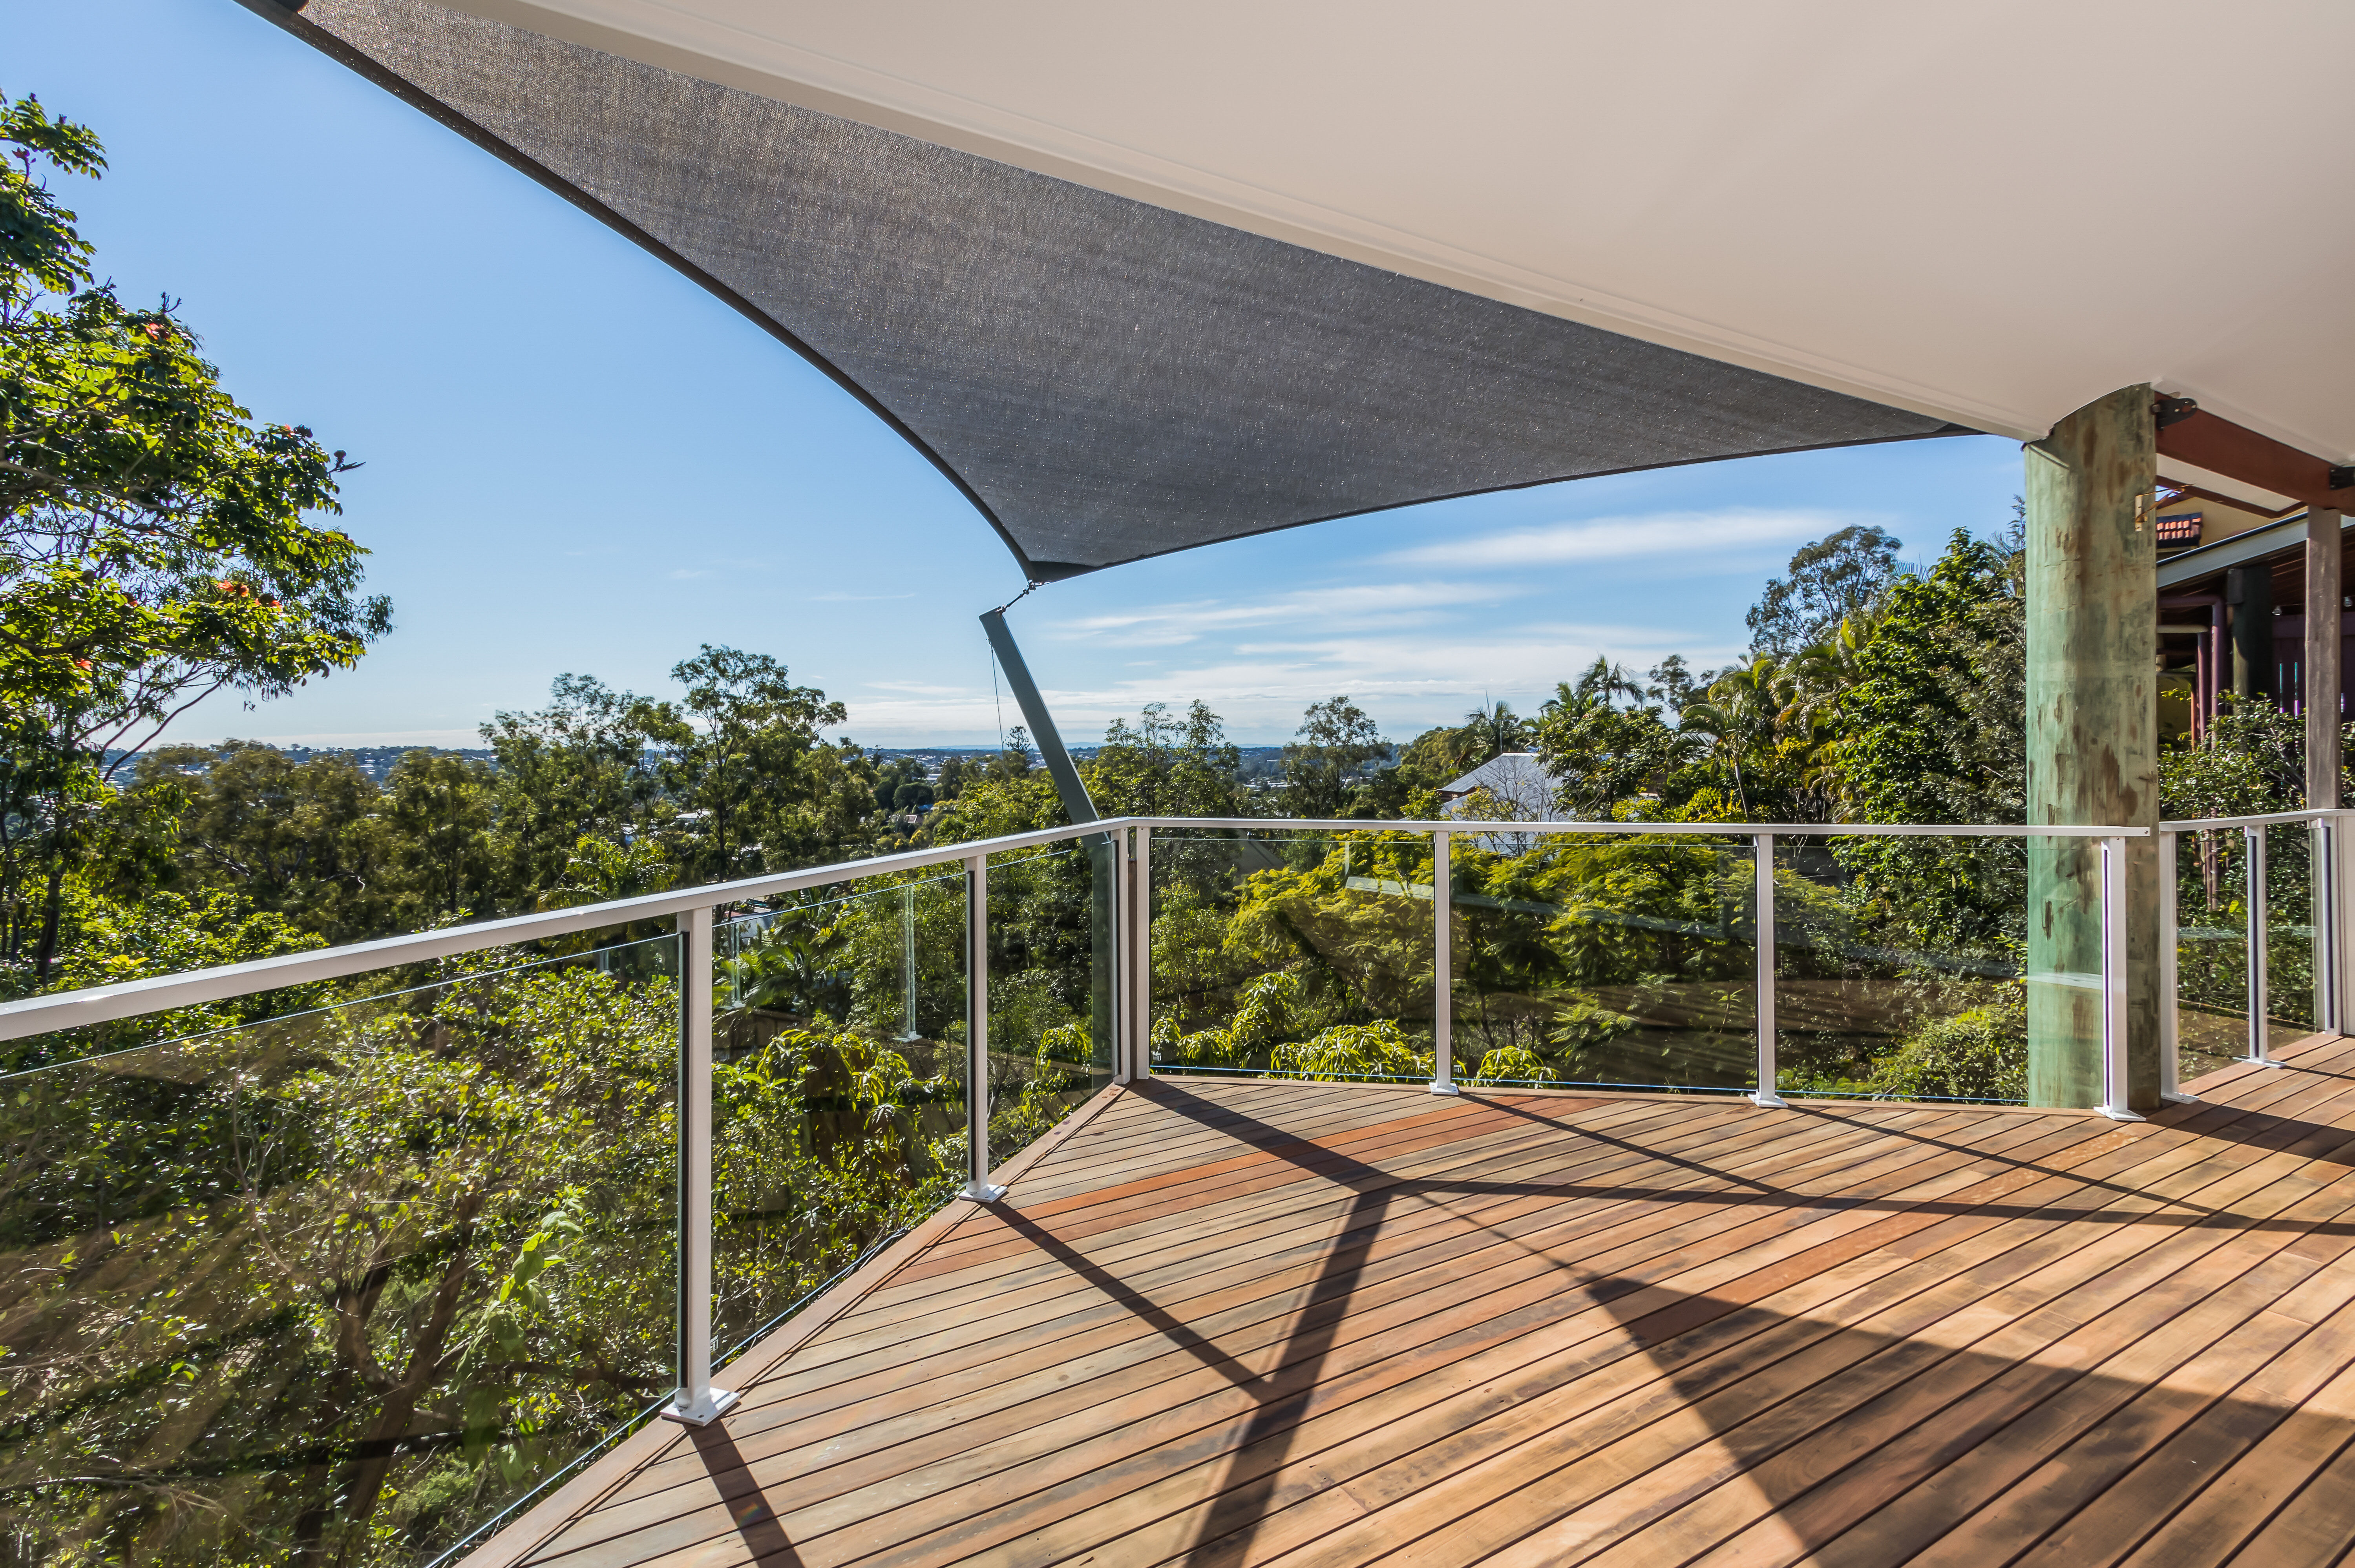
1253	1323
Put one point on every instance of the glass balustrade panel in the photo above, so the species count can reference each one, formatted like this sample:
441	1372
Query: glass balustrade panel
1898	965
346	1283
2211	950
838	1073
1301	955
1619	960
2290	999
1050	988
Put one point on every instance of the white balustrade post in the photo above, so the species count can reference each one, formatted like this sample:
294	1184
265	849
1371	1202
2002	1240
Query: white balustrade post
1141	958
2342	916
1761	848
977	1033
1443	982
2115	1087
1123	944
2171	1015
2253	908
696	1402
2322	902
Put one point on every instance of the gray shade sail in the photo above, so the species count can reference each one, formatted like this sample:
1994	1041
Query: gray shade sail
1105	379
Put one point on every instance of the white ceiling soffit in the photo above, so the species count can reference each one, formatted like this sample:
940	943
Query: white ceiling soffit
1947	208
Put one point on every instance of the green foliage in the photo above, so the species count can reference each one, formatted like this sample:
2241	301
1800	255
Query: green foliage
1980	1053
1513	1064
1932	728
1334	745
107	942
157	544
1168	767
1835	579
2251	760
334	1285
299	838
39	247
1605	758
1352	1051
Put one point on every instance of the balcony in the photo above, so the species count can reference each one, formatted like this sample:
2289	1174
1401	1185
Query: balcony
802	1221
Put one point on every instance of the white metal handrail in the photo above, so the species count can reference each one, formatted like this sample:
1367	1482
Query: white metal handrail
104	1004
696	910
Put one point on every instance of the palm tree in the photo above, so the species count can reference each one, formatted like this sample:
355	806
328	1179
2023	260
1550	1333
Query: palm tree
1487	731
1821	673
1741	715
1603	681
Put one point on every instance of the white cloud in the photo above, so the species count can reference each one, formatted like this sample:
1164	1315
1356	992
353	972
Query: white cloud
1391	606
1407	681
1683	538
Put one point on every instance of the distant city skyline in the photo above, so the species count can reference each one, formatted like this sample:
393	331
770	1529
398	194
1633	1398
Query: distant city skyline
577	461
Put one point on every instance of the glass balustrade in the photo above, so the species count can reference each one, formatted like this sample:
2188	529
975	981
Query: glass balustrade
1898	966
341	1285
346	1268
1293	955
838	1073
1617	960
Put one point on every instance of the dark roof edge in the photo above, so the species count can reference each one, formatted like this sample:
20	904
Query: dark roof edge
282	13
2245	546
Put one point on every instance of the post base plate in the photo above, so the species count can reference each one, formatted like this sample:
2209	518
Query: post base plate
714	1404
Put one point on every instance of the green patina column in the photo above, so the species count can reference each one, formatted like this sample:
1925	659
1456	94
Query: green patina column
2093	737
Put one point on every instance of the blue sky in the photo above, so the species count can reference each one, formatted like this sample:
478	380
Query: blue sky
576	460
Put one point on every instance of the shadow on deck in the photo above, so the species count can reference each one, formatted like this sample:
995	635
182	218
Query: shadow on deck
1256	1322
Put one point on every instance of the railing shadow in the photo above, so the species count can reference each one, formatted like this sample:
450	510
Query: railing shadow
1907	1405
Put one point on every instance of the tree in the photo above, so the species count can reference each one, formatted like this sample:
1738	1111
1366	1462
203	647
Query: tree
1335	741
1605	683
1487	731
1932	726
577	768
156	543
1603	756
1168	767
1740	718
304	839
1673	683
745	761
1836	577
439	810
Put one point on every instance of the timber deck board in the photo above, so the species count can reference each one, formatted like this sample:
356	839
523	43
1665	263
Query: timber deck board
1243	1322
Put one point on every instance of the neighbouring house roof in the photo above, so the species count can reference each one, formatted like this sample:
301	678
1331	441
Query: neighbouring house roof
1512	778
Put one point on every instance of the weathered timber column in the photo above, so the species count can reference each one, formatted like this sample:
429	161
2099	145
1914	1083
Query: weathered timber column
2093	738
2323	561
